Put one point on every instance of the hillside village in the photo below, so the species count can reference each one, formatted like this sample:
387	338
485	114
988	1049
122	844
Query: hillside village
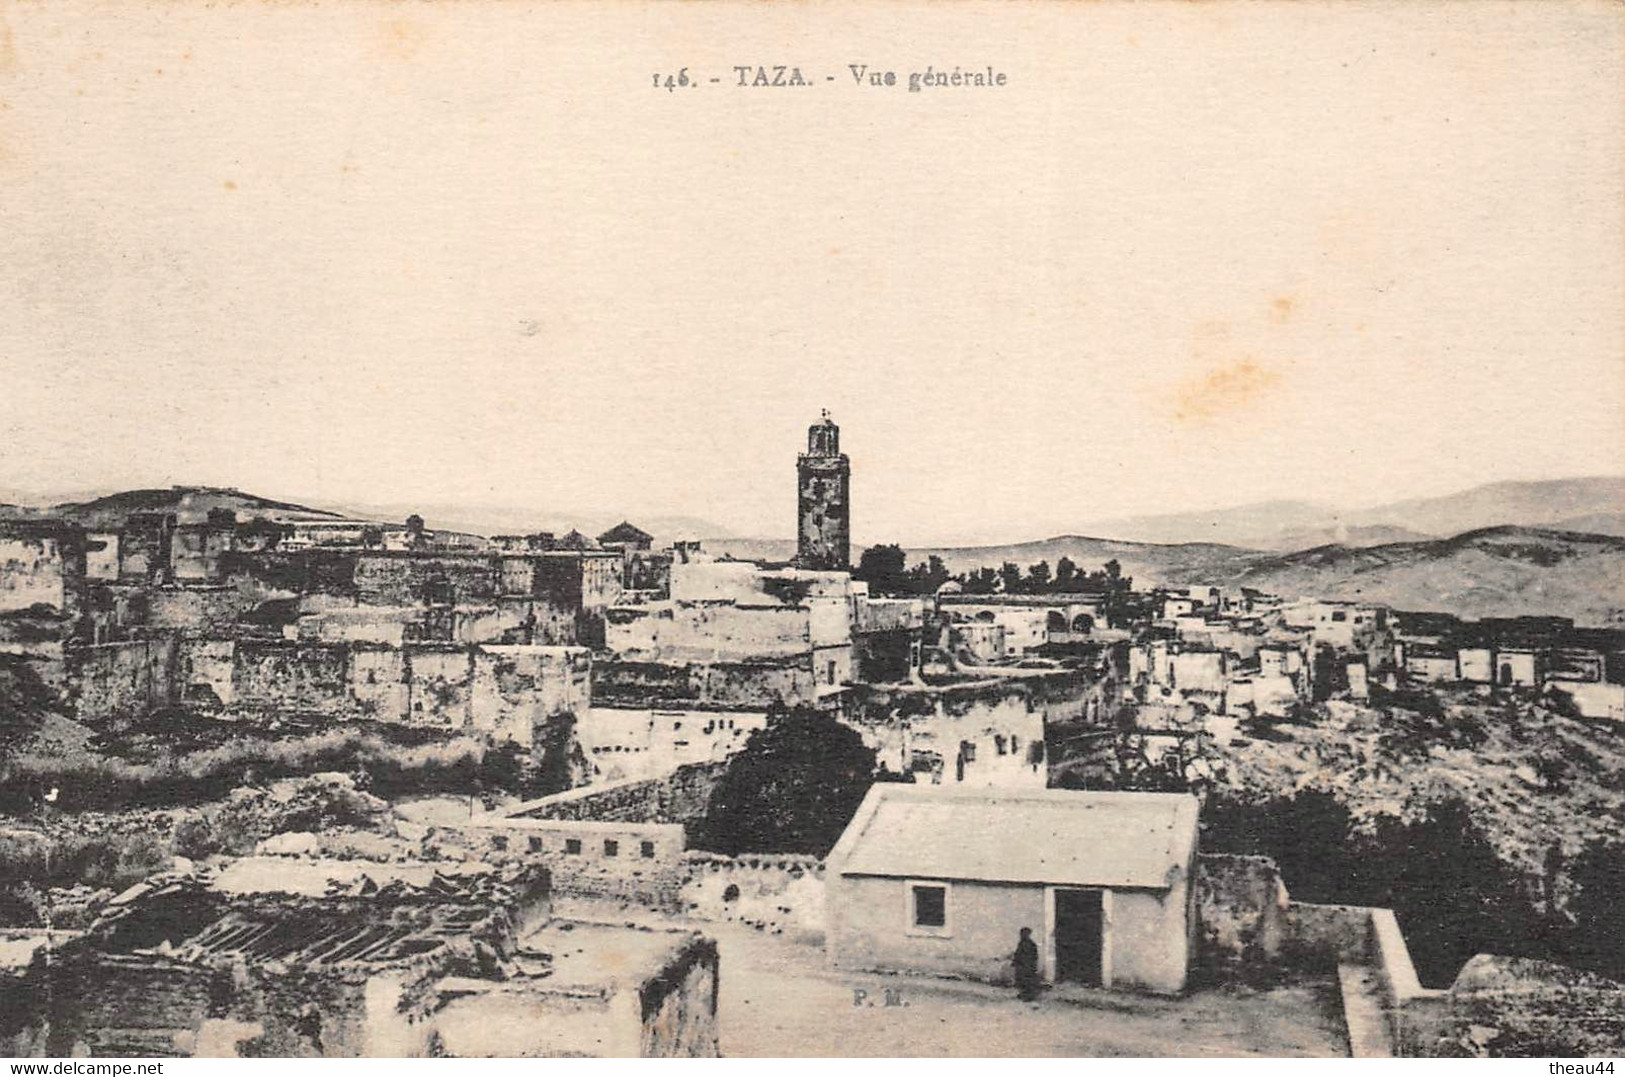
283	781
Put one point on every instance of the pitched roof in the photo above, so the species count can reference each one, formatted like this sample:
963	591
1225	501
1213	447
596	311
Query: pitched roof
1051	836
625	532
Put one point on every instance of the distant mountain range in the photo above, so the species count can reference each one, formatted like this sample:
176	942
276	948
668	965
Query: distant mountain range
1594	505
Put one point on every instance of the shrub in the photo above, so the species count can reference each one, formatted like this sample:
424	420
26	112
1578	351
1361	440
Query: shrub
90	782
792	789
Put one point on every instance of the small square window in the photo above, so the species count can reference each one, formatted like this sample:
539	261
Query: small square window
612	847
928	908
499	842
648	850
535	844
572	846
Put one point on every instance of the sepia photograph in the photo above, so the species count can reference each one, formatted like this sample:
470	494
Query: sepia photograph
811	530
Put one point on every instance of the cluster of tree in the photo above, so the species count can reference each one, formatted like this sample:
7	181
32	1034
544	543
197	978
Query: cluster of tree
792	788
1453	894
883	568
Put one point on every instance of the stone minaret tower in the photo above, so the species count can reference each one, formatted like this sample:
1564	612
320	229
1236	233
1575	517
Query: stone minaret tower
824	501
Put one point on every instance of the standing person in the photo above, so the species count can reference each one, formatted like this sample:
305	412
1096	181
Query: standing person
1026	962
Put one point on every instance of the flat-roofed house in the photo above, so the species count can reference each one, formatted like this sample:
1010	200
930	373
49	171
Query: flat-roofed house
941	880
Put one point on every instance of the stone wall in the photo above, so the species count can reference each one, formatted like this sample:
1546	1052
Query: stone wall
275	675
1518	1007
125	679
1242	909
509	692
116	1006
42	593
679	797
39	567
760	685
641	863
412	579
990	734
678	1005
1327	934
621	743
685	632
200	611
775	893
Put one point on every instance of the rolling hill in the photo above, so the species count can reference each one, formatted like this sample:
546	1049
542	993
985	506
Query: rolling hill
1490	572
190	504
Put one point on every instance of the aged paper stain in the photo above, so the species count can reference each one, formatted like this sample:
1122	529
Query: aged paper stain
1224	390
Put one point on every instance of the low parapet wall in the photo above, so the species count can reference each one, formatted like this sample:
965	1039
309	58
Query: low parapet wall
1246	918
778	893
641	863
1415	1013
1328	934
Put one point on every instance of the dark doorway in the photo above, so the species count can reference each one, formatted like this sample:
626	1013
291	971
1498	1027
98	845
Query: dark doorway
1079	925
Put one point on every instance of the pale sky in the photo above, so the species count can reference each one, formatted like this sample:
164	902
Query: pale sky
1191	255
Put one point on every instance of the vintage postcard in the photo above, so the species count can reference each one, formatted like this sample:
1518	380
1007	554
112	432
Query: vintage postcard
641	528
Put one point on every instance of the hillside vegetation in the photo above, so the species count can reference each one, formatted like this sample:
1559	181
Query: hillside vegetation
1496	572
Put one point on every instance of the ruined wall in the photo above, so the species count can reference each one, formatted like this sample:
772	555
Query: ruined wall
679	797
380	682
125	679
42	594
294	572
755	685
1327	934
200	611
625	861
775	893
517	689
410	579
203	672
294	1013
283	676
506	691
643	742
110	1006
992	735
1241	906
35	569
197	550
440	687
678	1005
